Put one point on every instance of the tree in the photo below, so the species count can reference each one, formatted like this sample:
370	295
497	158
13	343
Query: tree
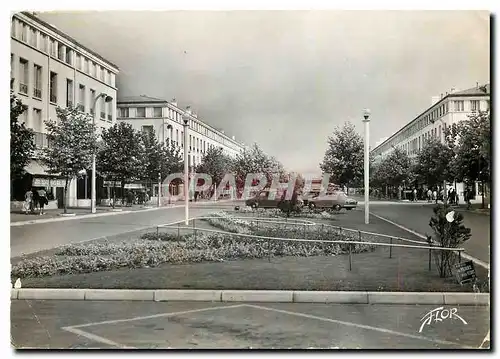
393	170
471	141
159	158
22	144
434	163
215	163
255	160
73	141
447	235
121	155
344	157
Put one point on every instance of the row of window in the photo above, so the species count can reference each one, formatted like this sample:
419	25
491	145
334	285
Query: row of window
431	117
37	89
47	44
141	112
196	144
414	146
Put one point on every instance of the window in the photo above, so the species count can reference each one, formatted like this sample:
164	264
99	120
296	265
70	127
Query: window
53	48
459	105
92	98
23	76
13	28
91	68
69	56
78	61
147	129
102	75
86	66
177	137
141	112
474	105
43	42
157	112
24	32
81	98
110	110
124	112
103	108
112	79
439	131
53	87
37	118
12	76
61	52
33	37
37	90
69	93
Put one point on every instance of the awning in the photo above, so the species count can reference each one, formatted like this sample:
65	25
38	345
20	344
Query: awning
35	168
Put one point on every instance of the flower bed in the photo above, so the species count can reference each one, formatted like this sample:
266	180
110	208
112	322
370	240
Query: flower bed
277	213
151	250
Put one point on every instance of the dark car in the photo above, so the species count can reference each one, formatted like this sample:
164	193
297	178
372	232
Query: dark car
264	200
337	201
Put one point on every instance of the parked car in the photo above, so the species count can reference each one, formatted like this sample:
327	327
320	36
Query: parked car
337	201
264	200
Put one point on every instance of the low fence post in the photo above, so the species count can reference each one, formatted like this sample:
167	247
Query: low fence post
305	231
158	232
359	235
269	250
350	257
459	256
178	230
390	249
430	256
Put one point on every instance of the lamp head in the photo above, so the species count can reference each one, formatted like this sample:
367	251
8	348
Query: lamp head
185	117
169	127
366	114
107	98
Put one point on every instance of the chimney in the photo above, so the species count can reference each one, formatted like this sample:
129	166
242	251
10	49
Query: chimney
174	102
452	90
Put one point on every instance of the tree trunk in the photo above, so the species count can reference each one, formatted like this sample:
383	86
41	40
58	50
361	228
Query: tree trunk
482	194
123	191
65	197
114	193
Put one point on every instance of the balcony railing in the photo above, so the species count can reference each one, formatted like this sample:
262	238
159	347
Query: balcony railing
37	93
110	118
103	115
23	88
41	140
53	98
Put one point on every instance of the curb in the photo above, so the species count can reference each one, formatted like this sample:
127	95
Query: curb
109	213
253	296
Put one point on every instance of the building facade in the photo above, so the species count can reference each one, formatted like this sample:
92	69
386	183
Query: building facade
147	114
445	110
50	69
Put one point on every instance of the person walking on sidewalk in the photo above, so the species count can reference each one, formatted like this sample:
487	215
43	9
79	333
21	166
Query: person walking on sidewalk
42	199
429	195
414	194
28	202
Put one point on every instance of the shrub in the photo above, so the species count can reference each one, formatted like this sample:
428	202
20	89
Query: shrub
447	234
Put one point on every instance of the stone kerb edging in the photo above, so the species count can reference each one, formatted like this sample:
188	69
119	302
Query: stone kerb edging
253	296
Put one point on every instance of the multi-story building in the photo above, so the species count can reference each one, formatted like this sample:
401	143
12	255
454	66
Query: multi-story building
147	114
51	69
445	110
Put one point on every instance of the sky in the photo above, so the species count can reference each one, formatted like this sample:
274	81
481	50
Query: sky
286	79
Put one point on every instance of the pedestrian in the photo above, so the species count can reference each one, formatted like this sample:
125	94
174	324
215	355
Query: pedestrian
450	196
415	194
28	202
429	195
42	199
435	195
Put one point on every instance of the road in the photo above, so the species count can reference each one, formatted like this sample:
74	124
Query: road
416	217
36	237
151	325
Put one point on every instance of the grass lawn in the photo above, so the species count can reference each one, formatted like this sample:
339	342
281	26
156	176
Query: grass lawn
407	270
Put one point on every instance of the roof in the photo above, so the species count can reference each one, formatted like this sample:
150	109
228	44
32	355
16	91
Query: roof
66	36
473	91
140	99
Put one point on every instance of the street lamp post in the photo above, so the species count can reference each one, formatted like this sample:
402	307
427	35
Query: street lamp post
93	188
366	115
159	169
185	119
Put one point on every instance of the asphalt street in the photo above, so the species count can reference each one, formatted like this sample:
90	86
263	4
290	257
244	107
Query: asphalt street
36	237
203	325
416	217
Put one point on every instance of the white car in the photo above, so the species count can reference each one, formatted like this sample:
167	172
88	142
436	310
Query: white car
337	201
